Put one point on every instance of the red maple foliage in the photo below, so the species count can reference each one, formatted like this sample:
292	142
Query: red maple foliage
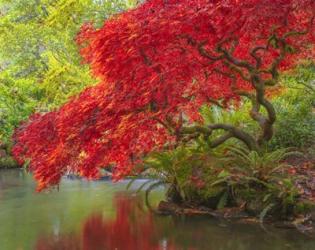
157	65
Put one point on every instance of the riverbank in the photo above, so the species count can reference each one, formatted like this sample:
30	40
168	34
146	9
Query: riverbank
6	159
303	223
8	163
303	168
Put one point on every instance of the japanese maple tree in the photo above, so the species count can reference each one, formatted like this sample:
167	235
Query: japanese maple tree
157	65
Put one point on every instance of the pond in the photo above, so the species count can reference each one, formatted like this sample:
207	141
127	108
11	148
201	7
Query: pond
102	215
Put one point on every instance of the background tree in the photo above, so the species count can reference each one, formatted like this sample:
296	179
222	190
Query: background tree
40	63
158	65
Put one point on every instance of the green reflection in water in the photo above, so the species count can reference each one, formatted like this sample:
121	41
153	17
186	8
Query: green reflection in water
100	215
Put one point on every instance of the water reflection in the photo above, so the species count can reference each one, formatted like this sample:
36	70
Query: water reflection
132	228
102	216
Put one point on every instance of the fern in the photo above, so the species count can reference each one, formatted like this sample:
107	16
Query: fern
130	183
143	185
223	200
150	189
264	212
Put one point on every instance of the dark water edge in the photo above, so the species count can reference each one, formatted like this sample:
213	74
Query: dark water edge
10	168
102	215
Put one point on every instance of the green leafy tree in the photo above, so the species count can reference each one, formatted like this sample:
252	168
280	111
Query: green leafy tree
40	66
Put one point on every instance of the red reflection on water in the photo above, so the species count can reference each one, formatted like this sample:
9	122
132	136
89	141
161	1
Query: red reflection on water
131	229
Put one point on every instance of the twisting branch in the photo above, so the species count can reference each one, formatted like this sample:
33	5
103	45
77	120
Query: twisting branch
230	58
259	84
196	129
206	54
220	140
266	123
252	73
190	138
238	71
283	47
237	133
274	66
232	132
299	33
257	58
146	59
254	112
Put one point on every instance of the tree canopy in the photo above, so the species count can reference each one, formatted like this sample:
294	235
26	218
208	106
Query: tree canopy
158	64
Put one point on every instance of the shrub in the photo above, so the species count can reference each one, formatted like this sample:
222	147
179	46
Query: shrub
8	162
295	125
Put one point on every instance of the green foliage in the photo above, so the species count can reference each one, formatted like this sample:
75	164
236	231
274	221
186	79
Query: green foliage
232	176
295	126
177	168
236	115
191	172
7	162
40	65
261	166
260	180
17	101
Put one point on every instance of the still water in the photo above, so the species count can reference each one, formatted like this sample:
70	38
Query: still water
102	215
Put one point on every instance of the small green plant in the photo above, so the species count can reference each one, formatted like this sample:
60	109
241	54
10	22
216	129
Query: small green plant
261	181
